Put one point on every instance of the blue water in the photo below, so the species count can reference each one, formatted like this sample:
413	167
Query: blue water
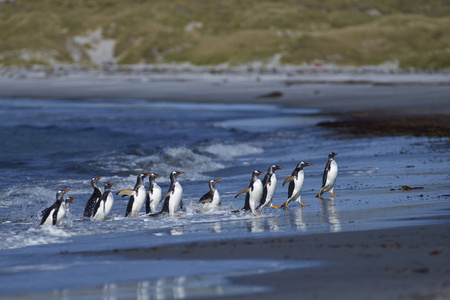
48	145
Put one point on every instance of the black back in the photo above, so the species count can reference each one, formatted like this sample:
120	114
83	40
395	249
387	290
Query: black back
129	206
47	211
90	205
291	189
325	172
206	198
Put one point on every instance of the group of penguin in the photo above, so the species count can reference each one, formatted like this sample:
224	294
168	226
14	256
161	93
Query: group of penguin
259	194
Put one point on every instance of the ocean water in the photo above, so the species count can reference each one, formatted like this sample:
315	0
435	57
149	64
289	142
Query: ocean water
49	145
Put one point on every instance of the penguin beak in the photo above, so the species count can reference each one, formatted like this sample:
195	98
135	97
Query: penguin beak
278	167
179	173
99	177
308	165
260	173
217	180
65	191
110	184
157	176
146	174
334	154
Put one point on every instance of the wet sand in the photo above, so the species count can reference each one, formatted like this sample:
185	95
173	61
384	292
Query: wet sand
398	263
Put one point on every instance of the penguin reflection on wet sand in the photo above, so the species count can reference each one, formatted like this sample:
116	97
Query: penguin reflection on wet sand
254	193
55	213
153	195
89	208
269	186
172	199
212	198
137	196
104	204
329	176
295	184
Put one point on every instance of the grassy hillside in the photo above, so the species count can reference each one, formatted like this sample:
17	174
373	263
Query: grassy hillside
413	33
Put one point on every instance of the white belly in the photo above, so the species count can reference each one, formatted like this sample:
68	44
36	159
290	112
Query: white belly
298	185
109	204
175	198
331	177
215	201
61	214
270	190
155	198
100	213
255	195
139	200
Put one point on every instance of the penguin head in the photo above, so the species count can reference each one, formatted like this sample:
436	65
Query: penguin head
60	194
108	186
95	180
213	182
302	164
331	155
256	173
273	168
153	176
70	199
174	174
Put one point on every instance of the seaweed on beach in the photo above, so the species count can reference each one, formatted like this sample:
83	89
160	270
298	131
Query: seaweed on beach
381	125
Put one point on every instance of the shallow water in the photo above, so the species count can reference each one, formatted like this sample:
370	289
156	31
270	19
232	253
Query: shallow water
48	145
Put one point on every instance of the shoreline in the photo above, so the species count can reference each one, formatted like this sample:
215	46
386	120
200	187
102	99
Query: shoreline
357	90
395	263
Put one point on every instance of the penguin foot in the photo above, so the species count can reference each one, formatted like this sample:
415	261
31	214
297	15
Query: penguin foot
276	206
256	215
334	195
177	214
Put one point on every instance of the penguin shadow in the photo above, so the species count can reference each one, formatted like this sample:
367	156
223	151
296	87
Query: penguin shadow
329	215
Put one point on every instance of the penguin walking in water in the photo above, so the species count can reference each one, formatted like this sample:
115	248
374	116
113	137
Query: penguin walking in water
329	176
137	196
295	184
269	185
89	208
67	202
254	193
212	198
104	204
153	197
172	199
55	213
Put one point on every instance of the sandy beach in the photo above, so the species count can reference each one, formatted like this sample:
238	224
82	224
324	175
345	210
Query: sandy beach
410	262
399	263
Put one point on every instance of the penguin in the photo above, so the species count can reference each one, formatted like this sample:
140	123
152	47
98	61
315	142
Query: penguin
212	198
153	197
269	185
172	199
295	184
55	213
254	193
104	204
67	202
329	176
94	197
137	196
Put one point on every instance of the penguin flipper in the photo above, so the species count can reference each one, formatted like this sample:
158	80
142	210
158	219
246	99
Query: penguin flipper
147	204
206	198
55	216
46	213
325	173
91	203
129	206
289	179
125	192
243	191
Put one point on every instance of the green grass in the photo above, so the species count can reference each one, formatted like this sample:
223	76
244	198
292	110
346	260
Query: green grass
413	33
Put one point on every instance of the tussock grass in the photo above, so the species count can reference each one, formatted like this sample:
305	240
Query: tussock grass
413	33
